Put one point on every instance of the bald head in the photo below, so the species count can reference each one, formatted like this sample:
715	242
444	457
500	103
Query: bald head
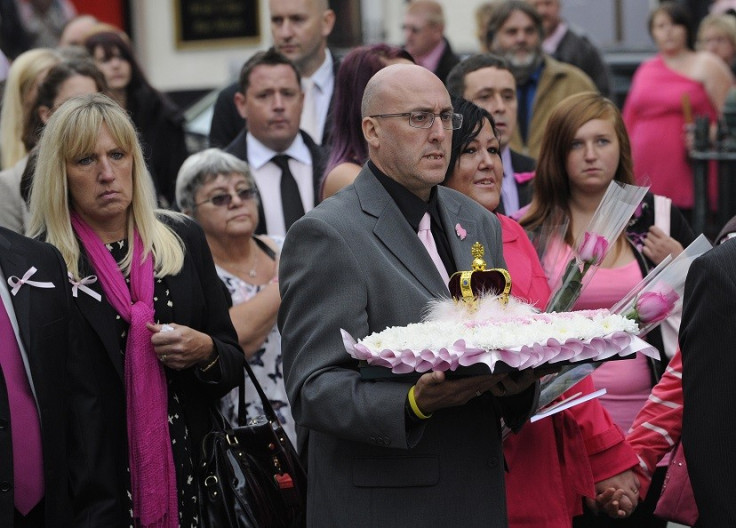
77	30
399	143
424	24
394	79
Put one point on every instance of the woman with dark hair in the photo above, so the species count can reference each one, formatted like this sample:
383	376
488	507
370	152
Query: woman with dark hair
585	147
63	81
538	449
667	92
349	150
157	119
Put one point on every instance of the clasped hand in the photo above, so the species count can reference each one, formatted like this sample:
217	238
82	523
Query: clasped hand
434	391
180	347
616	496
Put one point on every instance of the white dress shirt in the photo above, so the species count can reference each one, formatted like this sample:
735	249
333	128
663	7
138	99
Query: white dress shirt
318	91
509	192
268	179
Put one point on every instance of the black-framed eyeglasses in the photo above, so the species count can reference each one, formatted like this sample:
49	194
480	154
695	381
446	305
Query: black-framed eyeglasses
219	200
418	119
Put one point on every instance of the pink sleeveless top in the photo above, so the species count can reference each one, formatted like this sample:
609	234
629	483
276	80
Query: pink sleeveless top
627	382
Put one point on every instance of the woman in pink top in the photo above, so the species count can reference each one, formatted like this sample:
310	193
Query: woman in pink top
668	92
553	463
585	147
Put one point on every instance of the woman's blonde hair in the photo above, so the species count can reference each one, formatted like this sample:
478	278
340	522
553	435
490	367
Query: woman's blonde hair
71	134
22	78
551	182
726	24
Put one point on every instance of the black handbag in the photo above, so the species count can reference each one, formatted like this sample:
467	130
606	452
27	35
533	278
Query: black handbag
250	476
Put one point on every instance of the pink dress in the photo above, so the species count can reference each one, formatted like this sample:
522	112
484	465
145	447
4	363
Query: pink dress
654	118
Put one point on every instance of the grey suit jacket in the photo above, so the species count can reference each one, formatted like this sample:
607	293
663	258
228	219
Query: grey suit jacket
355	263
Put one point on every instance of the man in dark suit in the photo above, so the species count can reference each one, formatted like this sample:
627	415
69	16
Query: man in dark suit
271	99
395	452
299	29
35	320
487	81
424	37
707	340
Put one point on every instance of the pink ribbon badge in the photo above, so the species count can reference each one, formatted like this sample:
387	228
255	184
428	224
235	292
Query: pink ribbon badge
16	283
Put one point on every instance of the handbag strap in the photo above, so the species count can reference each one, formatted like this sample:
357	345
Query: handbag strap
267	407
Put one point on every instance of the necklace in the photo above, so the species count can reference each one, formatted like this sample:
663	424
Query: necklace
252	273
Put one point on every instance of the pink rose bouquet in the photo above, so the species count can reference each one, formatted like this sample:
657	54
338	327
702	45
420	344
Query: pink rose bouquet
607	223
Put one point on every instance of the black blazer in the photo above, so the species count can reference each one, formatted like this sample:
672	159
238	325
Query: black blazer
239	148
44	317
98	454
521	163
448	60
227	123
707	337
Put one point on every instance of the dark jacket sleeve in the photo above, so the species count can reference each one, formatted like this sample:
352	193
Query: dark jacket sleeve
226	121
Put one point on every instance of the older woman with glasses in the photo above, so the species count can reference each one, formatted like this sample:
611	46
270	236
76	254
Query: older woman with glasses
217	190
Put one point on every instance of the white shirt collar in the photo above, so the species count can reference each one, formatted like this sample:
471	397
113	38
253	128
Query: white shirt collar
259	154
325	73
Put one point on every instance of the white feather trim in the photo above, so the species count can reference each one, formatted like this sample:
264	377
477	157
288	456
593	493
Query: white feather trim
487	307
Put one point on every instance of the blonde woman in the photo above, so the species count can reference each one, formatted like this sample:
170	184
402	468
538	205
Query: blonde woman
156	346
26	73
717	34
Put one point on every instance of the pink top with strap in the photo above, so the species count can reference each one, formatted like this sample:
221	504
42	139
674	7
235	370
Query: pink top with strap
654	118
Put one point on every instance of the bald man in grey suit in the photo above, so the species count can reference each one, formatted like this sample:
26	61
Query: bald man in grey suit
356	263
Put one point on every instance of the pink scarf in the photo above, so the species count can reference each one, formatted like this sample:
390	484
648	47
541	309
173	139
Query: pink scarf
152	473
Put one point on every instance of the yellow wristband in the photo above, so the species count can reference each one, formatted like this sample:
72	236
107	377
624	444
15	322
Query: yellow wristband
415	407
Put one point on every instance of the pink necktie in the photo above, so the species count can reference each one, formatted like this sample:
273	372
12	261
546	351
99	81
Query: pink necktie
24	424
425	235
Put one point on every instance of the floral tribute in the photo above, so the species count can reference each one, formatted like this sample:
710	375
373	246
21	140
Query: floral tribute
513	333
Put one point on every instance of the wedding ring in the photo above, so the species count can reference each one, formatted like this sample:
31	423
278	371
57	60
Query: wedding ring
162	357
478	393
167	328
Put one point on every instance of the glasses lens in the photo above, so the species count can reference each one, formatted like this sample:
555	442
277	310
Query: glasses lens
421	119
457	122
221	199
246	194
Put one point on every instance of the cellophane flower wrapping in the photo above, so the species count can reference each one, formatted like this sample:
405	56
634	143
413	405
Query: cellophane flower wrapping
599	236
656	297
659	294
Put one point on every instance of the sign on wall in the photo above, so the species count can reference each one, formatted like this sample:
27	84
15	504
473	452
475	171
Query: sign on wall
216	23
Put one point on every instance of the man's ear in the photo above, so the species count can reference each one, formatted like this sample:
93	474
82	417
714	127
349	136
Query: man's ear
240	105
44	112
370	131
328	23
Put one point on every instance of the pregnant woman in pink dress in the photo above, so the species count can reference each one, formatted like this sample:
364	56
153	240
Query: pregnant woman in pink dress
667	92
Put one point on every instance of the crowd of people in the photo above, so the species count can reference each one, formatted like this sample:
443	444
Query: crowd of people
340	193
